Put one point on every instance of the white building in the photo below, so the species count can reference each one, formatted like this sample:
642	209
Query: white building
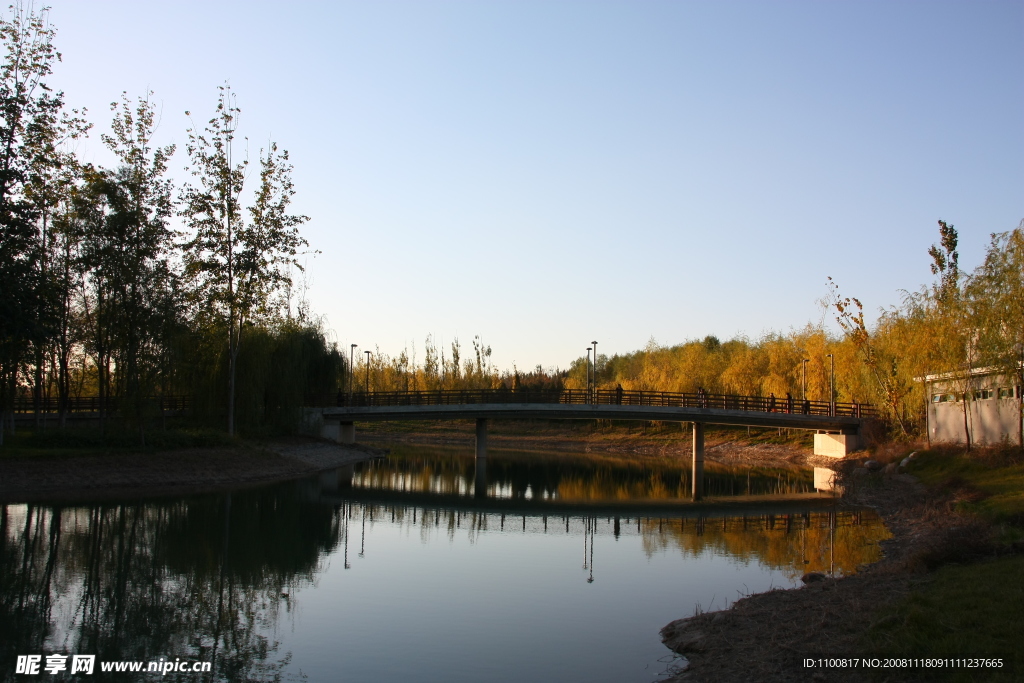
993	407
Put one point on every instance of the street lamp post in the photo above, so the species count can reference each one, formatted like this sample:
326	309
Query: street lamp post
351	369
803	378
588	374
368	354
832	385
595	370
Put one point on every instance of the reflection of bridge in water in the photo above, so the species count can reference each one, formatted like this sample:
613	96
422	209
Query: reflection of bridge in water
790	534
837	425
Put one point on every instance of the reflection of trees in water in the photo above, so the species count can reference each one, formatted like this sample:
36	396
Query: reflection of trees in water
573	478
200	579
831	542
836	542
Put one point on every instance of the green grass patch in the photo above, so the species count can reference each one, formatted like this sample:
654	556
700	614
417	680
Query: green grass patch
989	483
974	610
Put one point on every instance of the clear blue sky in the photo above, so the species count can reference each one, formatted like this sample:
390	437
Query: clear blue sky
548	173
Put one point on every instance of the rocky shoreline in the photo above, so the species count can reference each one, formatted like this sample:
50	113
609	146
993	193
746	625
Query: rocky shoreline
766	636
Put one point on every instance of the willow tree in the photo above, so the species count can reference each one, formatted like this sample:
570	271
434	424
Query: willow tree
998	289
238	262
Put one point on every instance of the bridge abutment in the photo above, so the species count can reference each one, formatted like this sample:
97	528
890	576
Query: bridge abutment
698	460
339	432
481	437
836	445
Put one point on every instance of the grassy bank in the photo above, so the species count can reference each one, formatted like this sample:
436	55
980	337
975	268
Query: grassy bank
972	603
969	610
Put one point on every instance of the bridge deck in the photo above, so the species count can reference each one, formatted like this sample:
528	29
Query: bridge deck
557	411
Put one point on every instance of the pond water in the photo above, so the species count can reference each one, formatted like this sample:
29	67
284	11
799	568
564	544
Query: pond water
414	567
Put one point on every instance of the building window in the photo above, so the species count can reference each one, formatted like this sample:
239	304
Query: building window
1005	392
982	394
951	398
938	398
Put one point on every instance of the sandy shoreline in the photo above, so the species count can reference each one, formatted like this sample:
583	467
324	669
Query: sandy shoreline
181	472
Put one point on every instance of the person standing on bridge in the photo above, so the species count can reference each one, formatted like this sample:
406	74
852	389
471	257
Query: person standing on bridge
618	394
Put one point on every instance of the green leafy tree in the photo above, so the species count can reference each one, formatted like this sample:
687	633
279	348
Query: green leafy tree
237	265
998	289
32	124
127	213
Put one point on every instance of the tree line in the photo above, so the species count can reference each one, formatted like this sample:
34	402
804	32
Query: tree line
118	284
958	324
445	368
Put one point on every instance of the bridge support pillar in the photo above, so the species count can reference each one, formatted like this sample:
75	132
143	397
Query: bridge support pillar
836	445
481	438
347	432
480	488
698	460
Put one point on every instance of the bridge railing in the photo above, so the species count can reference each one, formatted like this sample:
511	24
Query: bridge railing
661	399
93	404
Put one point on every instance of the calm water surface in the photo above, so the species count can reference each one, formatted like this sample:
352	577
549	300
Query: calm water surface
415	567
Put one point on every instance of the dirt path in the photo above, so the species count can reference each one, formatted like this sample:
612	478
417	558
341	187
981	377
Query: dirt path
168	473
765	637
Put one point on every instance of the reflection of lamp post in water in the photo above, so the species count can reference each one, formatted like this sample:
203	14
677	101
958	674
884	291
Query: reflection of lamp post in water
593	524
344	513
588	539
832	543
362	546
586	528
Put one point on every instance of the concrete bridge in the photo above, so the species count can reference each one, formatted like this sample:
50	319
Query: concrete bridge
837	426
